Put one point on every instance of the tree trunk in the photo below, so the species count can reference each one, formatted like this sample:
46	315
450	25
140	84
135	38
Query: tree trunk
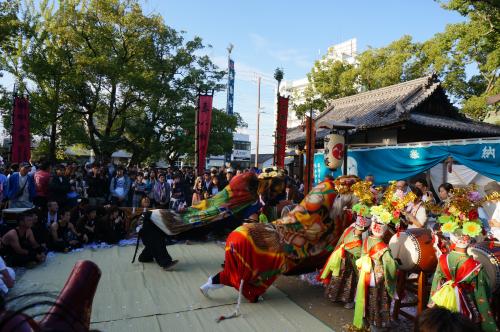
53	143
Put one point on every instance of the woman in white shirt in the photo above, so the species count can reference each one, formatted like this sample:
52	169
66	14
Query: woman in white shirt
415	214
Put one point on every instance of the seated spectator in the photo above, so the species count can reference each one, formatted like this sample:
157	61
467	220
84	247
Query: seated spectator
113	226
64	235
20	246
79	211
427	196
87	225
40	231
52	213
439	319
415	214
7	277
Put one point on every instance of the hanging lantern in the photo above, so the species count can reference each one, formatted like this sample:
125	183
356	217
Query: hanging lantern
334	151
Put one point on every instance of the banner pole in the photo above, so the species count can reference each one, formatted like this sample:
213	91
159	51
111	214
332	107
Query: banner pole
196	148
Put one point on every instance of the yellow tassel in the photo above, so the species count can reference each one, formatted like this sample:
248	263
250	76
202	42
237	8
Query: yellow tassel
446	297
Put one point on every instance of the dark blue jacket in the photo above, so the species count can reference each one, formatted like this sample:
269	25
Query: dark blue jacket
13	186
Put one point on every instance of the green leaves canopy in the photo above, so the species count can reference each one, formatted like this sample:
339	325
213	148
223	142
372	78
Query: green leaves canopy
108	76
463	48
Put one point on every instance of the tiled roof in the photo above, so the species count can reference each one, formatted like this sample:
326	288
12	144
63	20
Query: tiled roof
464	125
393	104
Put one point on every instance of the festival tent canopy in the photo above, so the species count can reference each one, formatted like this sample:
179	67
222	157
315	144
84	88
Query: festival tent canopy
404	161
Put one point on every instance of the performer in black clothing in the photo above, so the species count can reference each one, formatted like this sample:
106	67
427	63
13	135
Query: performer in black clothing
155	242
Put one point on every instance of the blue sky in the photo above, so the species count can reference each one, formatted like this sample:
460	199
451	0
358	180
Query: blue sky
291	35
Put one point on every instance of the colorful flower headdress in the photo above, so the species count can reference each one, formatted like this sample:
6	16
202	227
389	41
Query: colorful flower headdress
381	214
361	209
271	172
362	191
460	215
395	201
344	183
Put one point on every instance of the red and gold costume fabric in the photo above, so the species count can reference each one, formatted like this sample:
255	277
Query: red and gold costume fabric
259	253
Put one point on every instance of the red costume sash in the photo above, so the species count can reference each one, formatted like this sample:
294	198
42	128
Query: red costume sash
465	270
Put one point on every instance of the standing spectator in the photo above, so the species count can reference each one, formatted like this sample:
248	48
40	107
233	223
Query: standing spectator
138	189
150	184
42	180
445	192
97	186
197	191
177	198
229	175
73	196
21	188
415	213
3	185
427	196
59	186
162	192
20	245
206	180
119	187
213	189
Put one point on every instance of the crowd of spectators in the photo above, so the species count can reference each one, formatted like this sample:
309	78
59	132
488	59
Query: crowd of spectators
69	205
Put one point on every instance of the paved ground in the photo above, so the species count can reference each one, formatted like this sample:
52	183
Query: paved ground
143	297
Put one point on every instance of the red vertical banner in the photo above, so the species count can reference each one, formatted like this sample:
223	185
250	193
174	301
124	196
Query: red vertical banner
21	142
204	123
310	145
281	126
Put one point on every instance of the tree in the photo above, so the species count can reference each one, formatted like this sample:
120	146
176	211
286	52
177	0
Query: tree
463	48
471	46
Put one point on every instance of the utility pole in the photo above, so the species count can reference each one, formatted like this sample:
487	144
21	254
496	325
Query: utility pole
258	123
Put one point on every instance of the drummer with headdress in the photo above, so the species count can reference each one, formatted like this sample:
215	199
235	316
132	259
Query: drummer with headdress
460	283
377	275
340	273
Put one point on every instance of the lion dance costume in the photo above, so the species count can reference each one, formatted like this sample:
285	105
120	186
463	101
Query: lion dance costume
259	253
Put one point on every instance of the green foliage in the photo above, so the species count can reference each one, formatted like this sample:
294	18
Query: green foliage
463	47
106	75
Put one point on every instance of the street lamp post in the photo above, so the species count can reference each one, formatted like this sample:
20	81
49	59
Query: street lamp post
258	124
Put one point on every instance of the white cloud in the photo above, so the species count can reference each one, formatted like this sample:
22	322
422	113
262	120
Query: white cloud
290	55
